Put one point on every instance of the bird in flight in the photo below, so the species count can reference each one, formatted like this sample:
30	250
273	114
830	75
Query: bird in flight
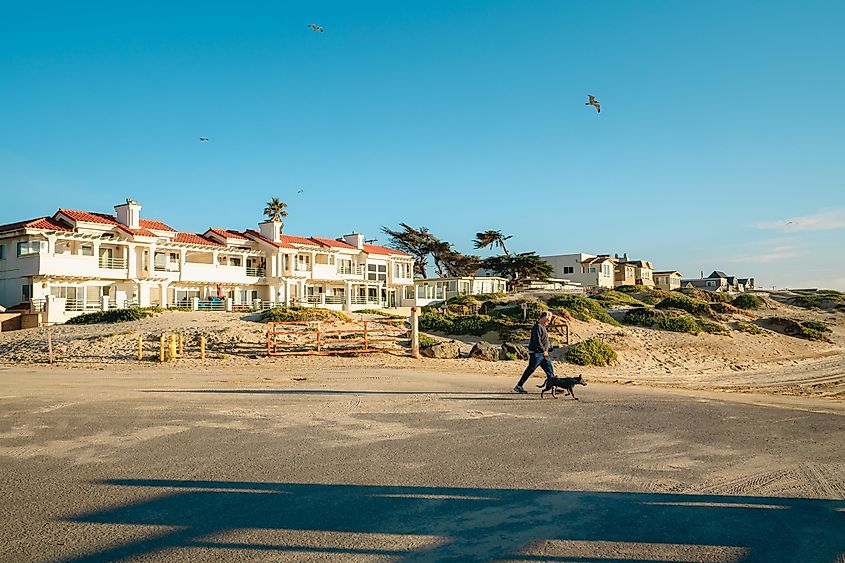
203	139
301	190
315	27
592	102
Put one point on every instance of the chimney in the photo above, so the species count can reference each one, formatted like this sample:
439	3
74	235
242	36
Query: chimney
354	239
271	230
625	256
129	213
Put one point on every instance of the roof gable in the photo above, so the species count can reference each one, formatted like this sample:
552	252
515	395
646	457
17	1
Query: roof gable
376	249
45	223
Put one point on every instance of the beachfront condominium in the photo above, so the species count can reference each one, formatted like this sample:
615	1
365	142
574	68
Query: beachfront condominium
80	260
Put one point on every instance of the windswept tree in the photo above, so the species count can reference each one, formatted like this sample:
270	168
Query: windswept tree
519	268
275	209
416	242
492	239
422	245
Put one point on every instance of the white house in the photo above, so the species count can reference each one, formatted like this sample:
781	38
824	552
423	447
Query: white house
81	261
587	269
429	290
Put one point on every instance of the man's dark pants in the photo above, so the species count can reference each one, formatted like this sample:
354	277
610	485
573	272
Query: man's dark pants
536	360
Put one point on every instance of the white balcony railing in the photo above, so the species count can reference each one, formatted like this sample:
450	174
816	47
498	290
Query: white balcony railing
359	300
302	267
113	263
255	272
350	270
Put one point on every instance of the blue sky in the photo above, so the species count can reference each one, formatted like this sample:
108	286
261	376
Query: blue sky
720	144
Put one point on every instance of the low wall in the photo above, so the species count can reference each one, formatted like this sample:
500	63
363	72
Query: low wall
10	321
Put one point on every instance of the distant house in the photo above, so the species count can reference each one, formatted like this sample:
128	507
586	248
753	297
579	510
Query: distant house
717	281
667	280
747	283
643	271
588	270
428	290
624	274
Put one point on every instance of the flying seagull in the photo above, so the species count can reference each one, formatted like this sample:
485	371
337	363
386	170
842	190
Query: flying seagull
301	190
592	102
315	27
203	139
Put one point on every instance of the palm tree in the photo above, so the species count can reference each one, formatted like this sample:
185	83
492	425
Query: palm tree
275	209
492	238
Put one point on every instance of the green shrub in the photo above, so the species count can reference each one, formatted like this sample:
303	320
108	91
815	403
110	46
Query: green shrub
513	334
653	318
816	325
293	314
591	352
613	298
427	341
456	324
514	311
685	303
583	308
713	328
792	327
748	301
472	324
633	289
115	315
724	308
704	295
381	313
750	328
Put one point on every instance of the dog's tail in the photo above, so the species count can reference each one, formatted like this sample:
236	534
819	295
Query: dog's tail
542	385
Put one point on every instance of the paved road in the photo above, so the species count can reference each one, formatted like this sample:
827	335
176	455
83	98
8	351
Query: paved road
400	465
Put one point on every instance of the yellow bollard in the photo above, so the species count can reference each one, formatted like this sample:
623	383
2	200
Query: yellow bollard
173	347
140	348
181	346
161	349
202	347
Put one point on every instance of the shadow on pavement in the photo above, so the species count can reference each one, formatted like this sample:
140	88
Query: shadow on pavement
470	524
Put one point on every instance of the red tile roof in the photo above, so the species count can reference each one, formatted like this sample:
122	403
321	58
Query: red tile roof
254	235
155	225
46	223
193	238
376	249
333	243
88	217
293	239
226	233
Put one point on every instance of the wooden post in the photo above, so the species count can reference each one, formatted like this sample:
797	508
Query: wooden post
181	345
366	342
140	348
173	347
202	347
161	348
49	345
318	336
415	332
269	350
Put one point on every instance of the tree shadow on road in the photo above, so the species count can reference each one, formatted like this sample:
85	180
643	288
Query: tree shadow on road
468	524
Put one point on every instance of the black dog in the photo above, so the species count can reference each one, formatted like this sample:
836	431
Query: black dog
566	383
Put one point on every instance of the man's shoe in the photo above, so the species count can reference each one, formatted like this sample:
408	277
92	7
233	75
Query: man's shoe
519	389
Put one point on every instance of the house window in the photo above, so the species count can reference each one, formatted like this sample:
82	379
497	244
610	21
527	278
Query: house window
606	269
2	251
27	247
377	272
409	292
344	266
86	250
401	270
26	292
286	261
592	270
234	260
568	270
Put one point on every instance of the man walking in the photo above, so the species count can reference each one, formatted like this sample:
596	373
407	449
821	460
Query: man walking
538	351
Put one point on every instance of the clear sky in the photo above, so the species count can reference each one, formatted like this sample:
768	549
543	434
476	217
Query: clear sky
720	144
